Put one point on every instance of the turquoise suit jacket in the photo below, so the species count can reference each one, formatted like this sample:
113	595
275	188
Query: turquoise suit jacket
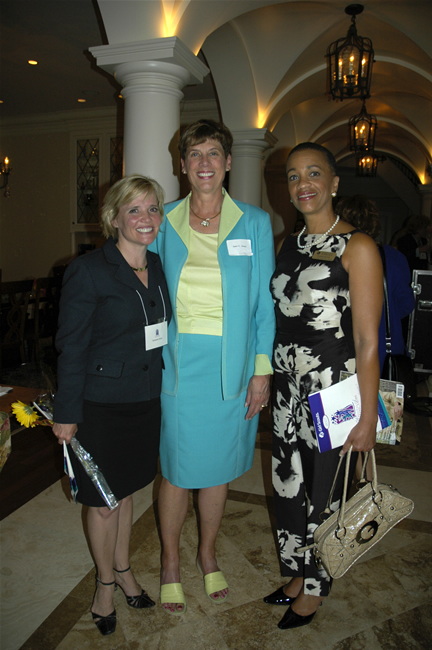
248	311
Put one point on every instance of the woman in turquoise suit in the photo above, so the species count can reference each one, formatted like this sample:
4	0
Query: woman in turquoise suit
218	257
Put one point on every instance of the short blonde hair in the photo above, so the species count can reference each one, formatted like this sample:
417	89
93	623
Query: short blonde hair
123	192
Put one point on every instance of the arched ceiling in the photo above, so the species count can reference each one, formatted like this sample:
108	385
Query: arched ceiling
280	50
267	60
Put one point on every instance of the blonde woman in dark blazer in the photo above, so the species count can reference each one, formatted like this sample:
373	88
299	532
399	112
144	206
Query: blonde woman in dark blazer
109	377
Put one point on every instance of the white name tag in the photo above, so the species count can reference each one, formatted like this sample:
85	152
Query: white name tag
156	335
239	247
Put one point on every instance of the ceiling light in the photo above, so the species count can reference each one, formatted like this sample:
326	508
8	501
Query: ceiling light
362	131
32	62
82	101
350	62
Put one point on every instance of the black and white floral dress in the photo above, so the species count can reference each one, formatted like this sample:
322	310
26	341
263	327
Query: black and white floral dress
313	343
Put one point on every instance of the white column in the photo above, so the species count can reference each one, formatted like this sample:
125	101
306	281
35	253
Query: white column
152	74
426	197
246	170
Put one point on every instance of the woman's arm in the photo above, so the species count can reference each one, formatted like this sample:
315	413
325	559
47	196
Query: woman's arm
362	261
77	309
64	432
258	393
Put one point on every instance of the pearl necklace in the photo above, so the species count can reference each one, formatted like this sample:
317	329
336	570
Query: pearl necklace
318	241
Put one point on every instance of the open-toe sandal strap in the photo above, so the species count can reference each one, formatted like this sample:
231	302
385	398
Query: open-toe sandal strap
215	582
122	570
173	593
105	584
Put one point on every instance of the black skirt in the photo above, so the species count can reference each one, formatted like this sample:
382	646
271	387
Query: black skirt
123	440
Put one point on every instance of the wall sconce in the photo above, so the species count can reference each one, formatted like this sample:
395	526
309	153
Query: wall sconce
362	129
5	170
350	62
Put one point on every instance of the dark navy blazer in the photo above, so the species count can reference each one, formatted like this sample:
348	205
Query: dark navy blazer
103	310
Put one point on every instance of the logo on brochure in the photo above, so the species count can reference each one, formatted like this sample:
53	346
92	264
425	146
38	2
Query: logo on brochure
340	416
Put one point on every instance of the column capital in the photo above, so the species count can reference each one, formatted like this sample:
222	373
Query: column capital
253	142
426	190
165	50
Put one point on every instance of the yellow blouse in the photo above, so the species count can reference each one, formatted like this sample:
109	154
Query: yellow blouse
199	295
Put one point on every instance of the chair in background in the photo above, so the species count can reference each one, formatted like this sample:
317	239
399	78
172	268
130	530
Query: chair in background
45	312
15	298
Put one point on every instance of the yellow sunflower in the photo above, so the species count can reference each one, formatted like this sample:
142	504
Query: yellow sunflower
25	414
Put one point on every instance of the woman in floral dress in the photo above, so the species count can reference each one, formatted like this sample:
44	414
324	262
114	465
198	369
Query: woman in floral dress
327	290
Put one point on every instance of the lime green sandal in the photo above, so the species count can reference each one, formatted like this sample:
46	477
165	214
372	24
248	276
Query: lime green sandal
214	582
173	593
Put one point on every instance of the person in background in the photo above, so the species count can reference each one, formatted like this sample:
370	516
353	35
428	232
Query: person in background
327	276
415	244
363	213
218	257
109	378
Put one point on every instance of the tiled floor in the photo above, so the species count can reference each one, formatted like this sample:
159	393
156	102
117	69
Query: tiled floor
385	601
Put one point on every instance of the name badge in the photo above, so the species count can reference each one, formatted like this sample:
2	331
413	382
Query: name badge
323	255
156	335
239	247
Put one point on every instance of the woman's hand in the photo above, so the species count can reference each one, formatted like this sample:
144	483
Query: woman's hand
361	438
64	432
258	395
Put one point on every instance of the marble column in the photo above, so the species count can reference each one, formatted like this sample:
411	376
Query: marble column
152	74
246	170
426	197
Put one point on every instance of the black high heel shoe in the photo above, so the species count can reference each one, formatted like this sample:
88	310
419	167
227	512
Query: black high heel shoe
291	620
105	624
278	597
142	601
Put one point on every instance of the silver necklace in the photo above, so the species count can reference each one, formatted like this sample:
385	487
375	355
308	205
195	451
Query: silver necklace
318	241
205	221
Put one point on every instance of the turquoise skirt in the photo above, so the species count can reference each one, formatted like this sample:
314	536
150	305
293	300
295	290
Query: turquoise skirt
205	440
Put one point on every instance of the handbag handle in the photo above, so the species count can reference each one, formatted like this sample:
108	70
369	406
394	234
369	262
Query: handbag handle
341	516
386	300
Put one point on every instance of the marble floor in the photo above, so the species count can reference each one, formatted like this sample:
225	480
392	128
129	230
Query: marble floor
384	601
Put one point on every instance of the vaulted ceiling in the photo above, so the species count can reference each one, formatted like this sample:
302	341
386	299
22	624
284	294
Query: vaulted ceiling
267	61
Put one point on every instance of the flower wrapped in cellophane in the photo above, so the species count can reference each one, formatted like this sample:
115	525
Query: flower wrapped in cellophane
28	417
44	404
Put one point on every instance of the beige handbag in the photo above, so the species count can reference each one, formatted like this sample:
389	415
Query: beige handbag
359	523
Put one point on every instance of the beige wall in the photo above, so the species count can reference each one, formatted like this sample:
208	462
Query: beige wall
34	220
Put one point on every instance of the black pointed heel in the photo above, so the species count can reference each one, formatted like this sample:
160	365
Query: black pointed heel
105	624
278	597
291	620
142	601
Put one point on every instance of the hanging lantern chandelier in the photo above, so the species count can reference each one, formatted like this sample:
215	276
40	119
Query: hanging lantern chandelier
366	164
350	62
362	130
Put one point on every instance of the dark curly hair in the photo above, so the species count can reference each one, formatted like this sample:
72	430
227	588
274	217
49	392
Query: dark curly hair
360	212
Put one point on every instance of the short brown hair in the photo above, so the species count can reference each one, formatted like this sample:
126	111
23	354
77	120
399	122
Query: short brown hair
204	130
416	223
123	192
360	212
